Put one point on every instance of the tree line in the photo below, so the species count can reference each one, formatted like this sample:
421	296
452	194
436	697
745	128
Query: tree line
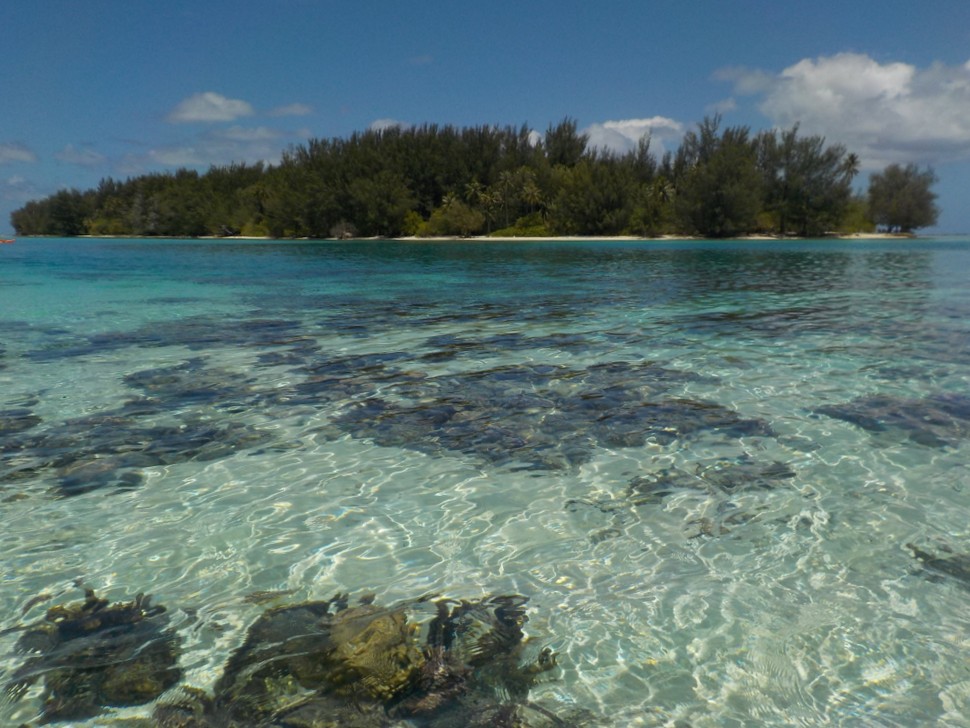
435	180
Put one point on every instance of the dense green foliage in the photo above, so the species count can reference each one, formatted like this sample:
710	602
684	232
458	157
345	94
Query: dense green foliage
809	185
721	190
900	198
446	181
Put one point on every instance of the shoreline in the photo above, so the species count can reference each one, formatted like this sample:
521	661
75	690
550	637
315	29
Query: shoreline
514	239
635	238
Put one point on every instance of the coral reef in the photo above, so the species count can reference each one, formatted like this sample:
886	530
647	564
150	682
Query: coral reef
540	417
325	663
945	563
95	654
936	421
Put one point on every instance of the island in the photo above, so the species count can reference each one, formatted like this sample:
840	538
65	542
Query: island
435	181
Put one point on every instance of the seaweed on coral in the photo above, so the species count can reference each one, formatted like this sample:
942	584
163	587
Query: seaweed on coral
307	665
95	654
326	663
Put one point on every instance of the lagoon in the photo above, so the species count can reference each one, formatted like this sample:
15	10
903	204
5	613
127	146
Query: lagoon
729	477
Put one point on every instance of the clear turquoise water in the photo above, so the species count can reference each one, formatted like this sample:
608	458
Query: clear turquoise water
702	463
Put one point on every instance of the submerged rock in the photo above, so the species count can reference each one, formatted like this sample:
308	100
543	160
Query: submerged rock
17	420
539	416
111	448
934	421
308	665
184	707
336	379
327	663
445	347
95	654
364	653
946	563
723	475
525	416
717	483
87	474
197	333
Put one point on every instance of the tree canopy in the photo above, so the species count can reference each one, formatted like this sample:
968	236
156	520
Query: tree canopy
444	180
721	190
900	198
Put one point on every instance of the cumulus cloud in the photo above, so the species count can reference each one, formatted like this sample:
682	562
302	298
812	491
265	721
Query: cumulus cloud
13	152
885	112
209	106
624	134
84	157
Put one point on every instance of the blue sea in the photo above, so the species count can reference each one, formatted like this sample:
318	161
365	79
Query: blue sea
732	479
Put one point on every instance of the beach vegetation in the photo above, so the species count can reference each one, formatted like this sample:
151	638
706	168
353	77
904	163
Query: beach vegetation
532	225
901	198
855	217
432	180
593	197
807	184
454	218
720	192
564	145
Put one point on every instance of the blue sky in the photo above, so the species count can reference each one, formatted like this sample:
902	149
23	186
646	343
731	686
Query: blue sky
123	87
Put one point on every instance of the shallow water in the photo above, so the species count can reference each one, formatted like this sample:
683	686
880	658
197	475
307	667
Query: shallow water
702	463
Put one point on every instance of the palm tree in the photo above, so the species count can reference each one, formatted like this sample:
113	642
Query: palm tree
664	190
473	192
490	200
507	184
850	167
532	195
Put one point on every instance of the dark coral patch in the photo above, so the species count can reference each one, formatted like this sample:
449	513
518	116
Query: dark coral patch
943	562
367	666
540	416
17	420
95	654
723	476
934	421
109	449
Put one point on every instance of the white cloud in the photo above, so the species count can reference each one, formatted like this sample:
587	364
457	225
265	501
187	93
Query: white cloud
218	147
242	134
186	156
623	135
747	81
291	110
885	112
84	157
382	124
13	152
15	191
209	106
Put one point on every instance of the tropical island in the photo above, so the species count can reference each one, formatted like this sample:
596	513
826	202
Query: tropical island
443	181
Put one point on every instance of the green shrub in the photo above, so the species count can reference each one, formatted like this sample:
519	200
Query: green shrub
529	226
